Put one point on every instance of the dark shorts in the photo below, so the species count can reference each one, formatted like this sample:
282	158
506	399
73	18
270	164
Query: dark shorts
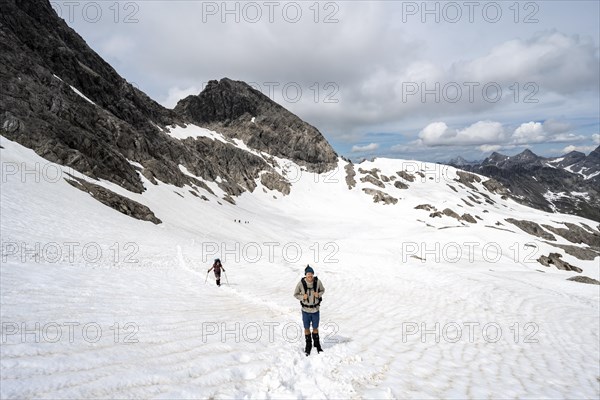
307	318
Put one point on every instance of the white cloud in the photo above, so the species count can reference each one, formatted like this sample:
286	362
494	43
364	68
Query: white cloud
492	136
535	132
583	149
481	132
486	148
362	149
555	127
529	132
565	137
596	138
553	60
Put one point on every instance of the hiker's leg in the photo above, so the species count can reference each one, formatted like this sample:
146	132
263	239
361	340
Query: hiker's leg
315	332
307	337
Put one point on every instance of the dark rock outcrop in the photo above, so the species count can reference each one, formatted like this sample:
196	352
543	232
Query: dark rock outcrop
372	180
467	179
576	234
379	196
584	279
350	174
120	203
406	176
581	253
449	213
532	228
240	111
275	181
555	259
400	185
469	218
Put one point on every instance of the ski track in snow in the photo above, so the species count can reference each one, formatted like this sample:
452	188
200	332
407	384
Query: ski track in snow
371	299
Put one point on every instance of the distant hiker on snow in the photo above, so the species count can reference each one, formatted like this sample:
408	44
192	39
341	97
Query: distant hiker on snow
310	291
217	266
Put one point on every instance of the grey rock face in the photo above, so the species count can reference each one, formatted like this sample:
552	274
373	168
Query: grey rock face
275	181
584	279
467	179
350	174
532	228
120	203
495	187
449	213
400	185
555	259
576	251
230	106
406	176
469	218
576	234
379	196
373	172
374	181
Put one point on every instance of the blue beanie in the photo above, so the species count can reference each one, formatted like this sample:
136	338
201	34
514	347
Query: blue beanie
308	269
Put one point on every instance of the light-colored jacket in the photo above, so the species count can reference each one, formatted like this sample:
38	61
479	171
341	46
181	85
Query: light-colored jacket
299	294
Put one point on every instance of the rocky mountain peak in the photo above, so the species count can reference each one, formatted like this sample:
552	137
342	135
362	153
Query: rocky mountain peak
525	156
240	111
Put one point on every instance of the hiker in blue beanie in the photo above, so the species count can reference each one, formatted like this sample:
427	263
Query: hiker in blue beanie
310	291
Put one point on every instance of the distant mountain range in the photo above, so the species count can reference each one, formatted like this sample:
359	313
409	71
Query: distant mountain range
568	184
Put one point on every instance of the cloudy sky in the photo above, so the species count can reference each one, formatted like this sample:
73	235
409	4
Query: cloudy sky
401	79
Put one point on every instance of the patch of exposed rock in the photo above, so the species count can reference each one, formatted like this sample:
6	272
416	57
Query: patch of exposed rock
449	213
532	228
379	196
469	218
373	172
496	187
406	176
581	253
120	203
275	181
400	185
374	181
584	279
426	207
350	174
576	234
467	179
555	259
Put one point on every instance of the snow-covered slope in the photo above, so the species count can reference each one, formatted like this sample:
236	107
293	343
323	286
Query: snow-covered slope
415	306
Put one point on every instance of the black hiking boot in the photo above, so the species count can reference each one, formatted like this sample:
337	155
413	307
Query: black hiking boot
218	282
315	337
308	344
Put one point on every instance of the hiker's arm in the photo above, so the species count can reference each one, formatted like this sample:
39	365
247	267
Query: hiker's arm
321	288
210	269
298	292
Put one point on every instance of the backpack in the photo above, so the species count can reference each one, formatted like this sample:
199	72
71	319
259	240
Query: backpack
305	286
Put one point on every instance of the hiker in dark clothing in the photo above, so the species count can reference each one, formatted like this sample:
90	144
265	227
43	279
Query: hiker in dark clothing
217	266
310	291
